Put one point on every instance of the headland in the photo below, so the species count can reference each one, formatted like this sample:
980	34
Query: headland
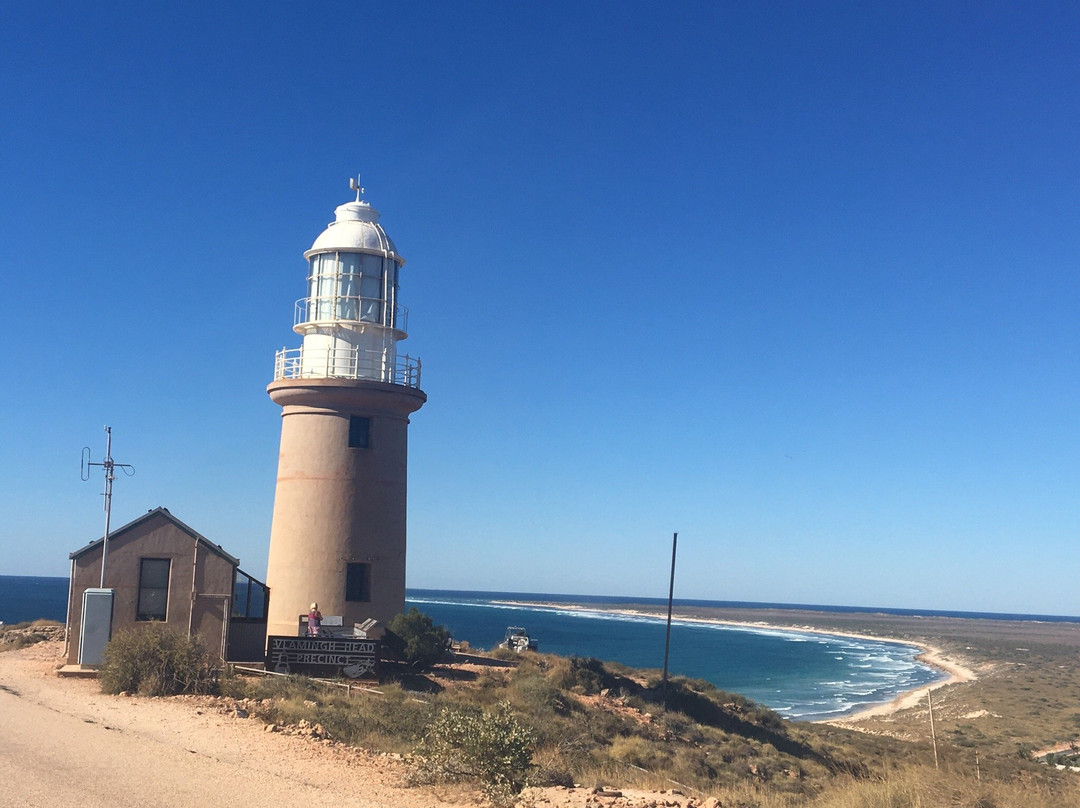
959	647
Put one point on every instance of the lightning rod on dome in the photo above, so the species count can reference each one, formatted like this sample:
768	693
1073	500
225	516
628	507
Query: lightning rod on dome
354	184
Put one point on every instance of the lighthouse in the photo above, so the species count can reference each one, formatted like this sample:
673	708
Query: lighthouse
338	531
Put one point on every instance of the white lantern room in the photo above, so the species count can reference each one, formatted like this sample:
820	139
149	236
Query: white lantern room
350	319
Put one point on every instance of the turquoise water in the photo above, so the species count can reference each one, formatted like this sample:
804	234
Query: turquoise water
801	675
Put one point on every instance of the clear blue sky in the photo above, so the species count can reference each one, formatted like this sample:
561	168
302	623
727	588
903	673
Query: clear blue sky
798	280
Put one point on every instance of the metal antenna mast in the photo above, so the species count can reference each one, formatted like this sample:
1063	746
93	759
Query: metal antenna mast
110	468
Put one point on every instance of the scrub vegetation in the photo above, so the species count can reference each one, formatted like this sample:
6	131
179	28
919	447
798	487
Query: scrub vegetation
510	722
155	660
542	720
579	720
414	638
20	635
490	746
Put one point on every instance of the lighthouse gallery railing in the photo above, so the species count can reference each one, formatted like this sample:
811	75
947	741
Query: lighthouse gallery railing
346	363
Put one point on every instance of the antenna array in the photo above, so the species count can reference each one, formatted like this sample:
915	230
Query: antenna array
110	475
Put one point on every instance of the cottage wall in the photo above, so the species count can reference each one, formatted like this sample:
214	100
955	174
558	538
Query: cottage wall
191	563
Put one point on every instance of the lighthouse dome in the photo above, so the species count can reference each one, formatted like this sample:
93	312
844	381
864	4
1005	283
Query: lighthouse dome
355	228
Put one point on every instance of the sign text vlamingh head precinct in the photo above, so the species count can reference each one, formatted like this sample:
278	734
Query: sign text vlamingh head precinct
356	658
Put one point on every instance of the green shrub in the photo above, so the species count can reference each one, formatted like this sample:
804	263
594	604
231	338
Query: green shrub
540	698
415	638
588	675
492	747
155	660
640	752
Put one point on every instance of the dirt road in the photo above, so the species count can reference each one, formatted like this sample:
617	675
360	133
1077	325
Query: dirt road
62	742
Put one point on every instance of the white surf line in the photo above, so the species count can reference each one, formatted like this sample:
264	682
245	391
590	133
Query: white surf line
928	655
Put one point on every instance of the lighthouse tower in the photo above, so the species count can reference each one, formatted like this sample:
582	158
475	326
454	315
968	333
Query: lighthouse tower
338	532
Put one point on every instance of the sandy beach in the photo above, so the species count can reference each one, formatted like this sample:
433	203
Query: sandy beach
956	670
957	673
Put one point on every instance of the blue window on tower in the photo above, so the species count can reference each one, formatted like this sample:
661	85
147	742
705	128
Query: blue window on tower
358	583
359	432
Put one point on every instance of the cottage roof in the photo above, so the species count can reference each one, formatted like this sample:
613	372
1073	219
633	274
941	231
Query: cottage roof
164	513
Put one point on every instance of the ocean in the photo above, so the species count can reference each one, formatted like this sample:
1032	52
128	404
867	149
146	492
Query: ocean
24	598
801	675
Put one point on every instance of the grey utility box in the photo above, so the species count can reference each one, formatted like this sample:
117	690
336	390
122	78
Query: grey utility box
96	629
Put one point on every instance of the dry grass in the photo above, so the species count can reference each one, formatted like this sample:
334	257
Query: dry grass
603	725
1026	697
586	721
925	787
905	787
1015	708
20	635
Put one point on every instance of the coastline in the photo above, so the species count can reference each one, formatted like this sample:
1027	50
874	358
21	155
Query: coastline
931	656
957	674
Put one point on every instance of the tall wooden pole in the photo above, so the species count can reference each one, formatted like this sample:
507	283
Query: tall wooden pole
933	734
670	600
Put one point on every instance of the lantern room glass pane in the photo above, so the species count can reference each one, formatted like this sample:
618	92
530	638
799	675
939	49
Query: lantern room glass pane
390	285
352	286
321	284
348	304
371	289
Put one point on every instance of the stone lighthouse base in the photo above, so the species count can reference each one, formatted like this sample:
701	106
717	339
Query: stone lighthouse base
338	535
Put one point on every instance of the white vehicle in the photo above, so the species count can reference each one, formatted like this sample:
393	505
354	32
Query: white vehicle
517	639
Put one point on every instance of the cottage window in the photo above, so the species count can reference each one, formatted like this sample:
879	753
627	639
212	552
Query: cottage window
153	589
